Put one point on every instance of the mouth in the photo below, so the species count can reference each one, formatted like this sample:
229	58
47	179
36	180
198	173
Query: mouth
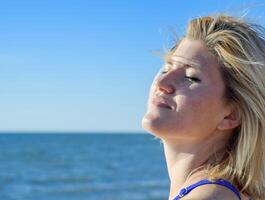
161	103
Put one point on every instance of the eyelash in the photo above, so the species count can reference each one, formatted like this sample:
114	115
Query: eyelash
194	79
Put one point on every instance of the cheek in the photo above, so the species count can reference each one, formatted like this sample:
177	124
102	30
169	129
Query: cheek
200	106
190	101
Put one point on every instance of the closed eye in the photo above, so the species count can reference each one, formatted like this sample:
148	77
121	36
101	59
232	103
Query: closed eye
193	79
190	78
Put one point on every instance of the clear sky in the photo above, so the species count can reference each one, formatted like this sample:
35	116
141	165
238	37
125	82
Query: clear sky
84	65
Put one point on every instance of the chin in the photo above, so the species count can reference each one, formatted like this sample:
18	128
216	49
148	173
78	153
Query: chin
153	125
162	127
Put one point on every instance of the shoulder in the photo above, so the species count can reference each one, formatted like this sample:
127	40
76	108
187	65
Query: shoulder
211	192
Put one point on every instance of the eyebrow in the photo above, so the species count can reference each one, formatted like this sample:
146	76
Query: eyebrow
186	62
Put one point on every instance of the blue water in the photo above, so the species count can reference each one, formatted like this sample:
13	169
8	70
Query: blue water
82	167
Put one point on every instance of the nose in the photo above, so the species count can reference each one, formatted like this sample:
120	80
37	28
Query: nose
165	83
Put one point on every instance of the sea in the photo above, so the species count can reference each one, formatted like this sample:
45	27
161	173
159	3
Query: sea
74	166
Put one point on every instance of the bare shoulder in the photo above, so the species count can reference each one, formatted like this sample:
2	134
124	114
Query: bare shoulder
211	192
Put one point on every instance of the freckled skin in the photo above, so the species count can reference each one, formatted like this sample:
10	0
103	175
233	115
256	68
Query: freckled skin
198	106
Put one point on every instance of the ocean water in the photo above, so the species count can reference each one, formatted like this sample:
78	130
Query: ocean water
82	167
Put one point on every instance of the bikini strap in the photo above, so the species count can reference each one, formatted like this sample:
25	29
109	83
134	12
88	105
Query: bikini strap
222	182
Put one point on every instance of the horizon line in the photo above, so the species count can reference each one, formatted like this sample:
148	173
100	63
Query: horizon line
73	132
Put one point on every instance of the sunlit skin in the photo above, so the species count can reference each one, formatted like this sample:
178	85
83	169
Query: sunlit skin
187	111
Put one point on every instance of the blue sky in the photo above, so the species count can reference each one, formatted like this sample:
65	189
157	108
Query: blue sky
87	65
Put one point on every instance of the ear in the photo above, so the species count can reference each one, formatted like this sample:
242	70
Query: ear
230	120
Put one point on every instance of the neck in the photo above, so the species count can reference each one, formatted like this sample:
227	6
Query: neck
182	157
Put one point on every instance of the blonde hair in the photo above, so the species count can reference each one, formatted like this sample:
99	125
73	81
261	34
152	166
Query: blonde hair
240	49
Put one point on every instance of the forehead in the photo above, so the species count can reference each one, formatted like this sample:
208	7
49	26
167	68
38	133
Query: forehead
176	59
193	53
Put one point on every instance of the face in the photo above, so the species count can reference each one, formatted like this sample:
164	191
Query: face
186	97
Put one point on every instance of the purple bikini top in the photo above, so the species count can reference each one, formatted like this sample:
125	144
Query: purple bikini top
186	190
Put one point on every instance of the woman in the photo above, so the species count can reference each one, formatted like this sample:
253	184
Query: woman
208	108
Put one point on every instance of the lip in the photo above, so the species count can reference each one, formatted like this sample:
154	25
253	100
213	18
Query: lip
161	103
